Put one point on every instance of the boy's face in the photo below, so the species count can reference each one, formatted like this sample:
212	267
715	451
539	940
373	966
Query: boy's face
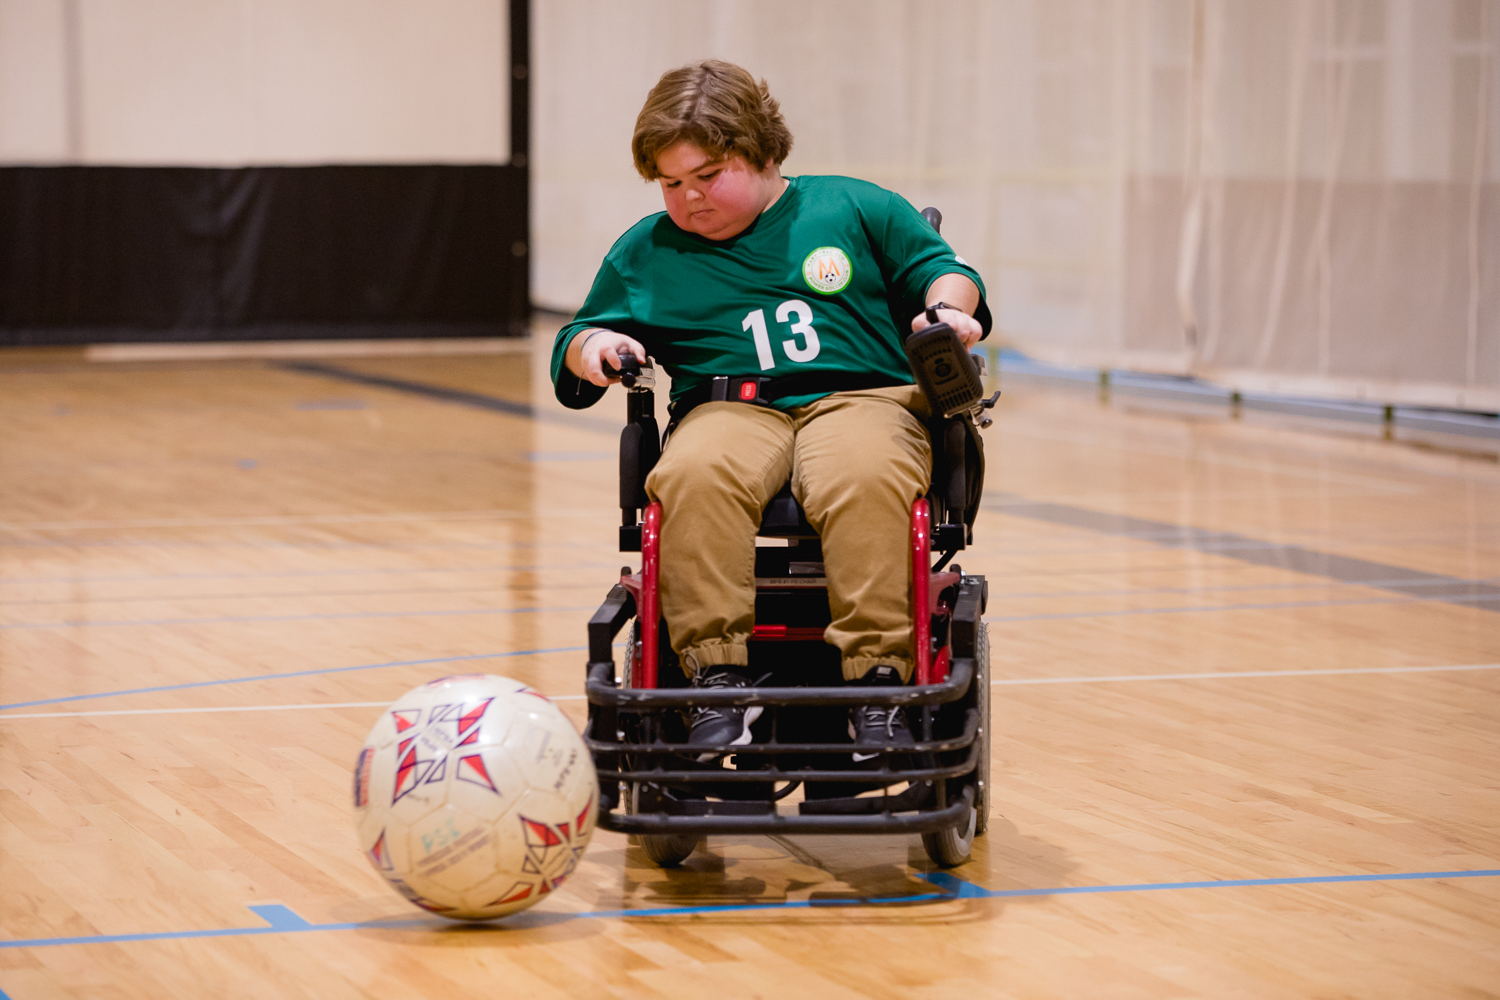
716	199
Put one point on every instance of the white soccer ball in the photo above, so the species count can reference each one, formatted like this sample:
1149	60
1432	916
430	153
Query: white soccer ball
474	796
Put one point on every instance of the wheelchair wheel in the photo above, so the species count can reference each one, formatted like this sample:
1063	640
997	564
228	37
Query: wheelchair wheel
632	641
666	850
952	847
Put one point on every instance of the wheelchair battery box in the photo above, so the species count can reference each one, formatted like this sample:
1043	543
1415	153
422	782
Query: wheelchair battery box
943	370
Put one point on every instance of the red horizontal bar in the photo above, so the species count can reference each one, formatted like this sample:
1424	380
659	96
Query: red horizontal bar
785	633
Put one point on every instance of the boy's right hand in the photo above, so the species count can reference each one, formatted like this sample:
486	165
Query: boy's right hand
591	348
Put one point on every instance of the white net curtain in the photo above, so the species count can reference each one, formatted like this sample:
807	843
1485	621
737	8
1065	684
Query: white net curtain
1285	195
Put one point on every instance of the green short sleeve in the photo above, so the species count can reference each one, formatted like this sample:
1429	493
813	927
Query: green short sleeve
917	256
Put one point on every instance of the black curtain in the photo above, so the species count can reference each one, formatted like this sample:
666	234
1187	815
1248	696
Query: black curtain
90	254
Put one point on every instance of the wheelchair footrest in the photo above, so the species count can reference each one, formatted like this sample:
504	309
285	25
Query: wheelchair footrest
915	796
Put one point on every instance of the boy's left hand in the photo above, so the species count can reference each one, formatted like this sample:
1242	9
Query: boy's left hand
967	327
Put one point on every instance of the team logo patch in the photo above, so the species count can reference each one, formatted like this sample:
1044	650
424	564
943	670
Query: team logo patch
827	270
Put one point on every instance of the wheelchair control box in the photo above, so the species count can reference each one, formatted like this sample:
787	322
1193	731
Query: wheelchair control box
947	375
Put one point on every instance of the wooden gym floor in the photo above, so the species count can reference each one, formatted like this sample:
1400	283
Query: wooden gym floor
1247	702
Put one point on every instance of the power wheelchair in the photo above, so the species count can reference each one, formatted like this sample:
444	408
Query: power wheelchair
652	785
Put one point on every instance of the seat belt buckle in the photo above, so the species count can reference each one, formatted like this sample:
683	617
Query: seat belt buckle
744	389
748	390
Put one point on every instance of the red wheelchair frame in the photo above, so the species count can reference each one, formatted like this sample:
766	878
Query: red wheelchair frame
652	784
643	587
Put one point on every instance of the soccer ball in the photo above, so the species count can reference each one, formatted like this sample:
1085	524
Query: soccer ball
474	797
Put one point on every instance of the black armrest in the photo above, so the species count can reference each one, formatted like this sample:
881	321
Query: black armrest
576	393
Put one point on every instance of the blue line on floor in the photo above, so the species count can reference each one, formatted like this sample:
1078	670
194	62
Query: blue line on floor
294	574
295	673
226	543
281	920
257	619
275	595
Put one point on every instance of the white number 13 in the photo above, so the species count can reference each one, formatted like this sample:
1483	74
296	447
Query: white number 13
755	322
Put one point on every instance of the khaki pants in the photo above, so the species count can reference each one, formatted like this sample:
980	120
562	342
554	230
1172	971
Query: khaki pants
857	461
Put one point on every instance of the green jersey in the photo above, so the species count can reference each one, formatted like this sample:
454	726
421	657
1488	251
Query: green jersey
825	280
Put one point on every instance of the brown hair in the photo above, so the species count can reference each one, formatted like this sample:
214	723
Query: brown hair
715	105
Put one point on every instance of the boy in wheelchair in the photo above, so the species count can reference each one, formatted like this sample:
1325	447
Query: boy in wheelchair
798	292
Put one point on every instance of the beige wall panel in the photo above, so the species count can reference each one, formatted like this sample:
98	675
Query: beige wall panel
217	82
33	81
163	82
381	80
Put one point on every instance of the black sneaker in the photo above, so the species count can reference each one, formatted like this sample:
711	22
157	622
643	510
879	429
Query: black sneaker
721	726
878	726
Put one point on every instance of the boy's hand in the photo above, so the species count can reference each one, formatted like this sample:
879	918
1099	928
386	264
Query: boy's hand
591	348
967	327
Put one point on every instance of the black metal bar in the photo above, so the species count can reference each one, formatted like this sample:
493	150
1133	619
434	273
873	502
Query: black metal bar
640	412
630	472
915	822
882	776
960	677
617	609
520	153
948	539
520	81
966	738
966	623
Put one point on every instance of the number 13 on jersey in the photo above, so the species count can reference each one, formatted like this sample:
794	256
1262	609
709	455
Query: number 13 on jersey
755	322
